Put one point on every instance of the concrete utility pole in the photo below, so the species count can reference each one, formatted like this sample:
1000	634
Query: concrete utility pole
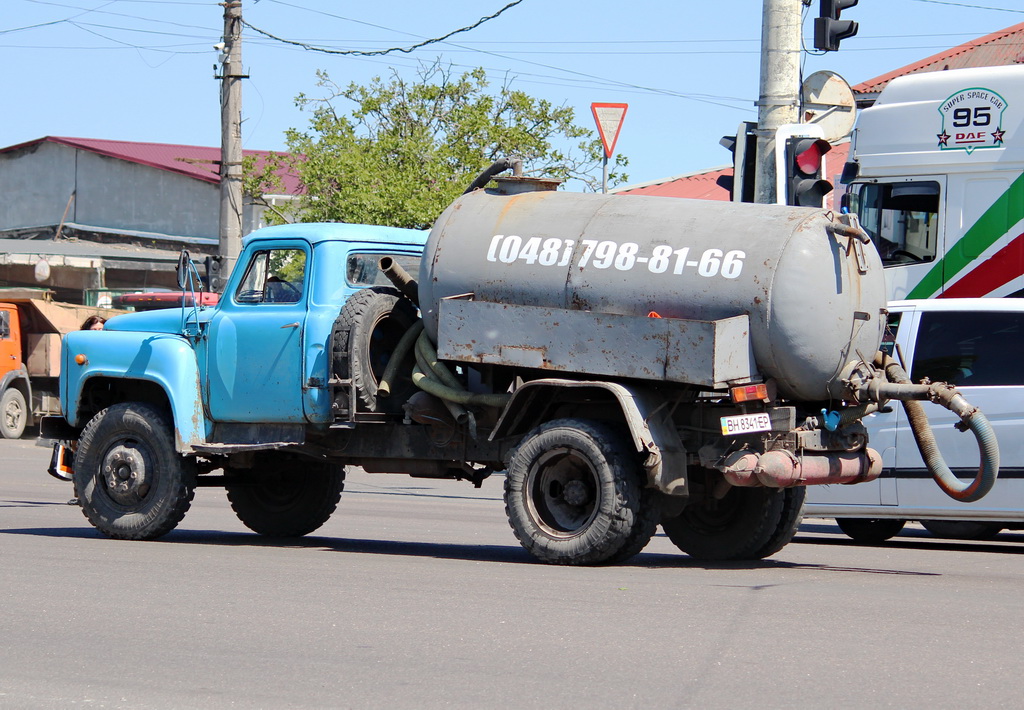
779	102
231	140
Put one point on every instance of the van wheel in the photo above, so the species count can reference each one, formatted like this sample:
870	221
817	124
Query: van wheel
13	413
963	529
288	500
870	531
746	524
574	495
131	482
364	337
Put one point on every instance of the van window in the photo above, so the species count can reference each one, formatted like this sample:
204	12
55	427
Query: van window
902	219
970	348
892	325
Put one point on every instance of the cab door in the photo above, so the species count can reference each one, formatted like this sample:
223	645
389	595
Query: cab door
10	348
255	343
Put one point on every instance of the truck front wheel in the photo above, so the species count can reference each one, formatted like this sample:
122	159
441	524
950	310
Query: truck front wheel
288	499
131	482
746	524
574	495
13	413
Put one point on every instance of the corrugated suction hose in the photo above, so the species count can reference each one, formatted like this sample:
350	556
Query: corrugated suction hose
970	417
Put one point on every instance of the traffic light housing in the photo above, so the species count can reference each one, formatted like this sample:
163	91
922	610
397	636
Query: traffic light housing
805	184
744	154
829	30
213	279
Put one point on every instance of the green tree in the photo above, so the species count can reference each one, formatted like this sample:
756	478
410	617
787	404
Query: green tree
408	148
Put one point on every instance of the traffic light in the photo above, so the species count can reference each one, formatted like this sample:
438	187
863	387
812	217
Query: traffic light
744	153
829	29
213	281
805	186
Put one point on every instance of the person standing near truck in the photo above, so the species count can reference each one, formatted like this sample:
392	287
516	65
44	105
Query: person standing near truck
94	323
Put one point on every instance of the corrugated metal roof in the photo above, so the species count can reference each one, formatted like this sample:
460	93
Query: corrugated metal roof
997	49
199	162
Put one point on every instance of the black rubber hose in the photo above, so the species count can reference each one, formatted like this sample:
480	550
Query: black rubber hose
498	166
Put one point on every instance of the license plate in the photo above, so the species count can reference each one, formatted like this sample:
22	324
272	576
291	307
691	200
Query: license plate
746	423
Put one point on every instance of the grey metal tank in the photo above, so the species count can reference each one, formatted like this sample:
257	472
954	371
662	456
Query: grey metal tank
814	297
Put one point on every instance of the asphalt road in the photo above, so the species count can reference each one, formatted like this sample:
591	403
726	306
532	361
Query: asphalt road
417	595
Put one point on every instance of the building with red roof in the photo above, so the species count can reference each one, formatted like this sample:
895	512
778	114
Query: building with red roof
150	199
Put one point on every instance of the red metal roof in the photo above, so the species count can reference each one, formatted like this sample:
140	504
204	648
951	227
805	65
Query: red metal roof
997	49
199	162
703	186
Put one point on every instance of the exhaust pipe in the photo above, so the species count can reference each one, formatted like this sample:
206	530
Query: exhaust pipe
784	469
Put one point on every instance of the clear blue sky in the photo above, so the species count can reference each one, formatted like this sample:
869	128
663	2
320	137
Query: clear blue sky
142	70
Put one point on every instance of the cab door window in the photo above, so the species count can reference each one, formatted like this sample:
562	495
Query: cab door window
274	276
901	218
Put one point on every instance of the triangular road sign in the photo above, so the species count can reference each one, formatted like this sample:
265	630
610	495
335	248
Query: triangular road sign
609	123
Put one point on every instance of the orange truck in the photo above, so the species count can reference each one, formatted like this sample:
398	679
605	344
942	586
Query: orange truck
31	327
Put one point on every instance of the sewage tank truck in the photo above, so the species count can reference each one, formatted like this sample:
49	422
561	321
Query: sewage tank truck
625	362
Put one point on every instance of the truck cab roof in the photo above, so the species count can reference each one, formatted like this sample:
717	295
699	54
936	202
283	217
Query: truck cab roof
316	232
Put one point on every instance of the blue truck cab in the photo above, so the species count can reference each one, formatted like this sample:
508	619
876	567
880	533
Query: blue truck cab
259	358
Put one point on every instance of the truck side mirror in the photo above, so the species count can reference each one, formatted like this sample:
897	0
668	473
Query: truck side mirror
182	269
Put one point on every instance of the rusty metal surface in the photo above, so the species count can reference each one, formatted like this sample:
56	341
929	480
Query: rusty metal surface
811	305
705	353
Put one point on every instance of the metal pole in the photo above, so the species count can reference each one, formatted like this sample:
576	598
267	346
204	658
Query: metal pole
231	140
604	175
779	101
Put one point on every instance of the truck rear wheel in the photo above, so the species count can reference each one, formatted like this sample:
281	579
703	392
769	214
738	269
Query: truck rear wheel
746	524
13	413
365	334
131	482
290	499
574	495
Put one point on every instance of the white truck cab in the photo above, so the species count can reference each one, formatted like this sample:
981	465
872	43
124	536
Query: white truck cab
936	175
975	344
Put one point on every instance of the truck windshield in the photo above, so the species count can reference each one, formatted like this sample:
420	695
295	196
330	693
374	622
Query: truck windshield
901	218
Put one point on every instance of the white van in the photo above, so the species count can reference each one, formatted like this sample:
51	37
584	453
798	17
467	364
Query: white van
976	344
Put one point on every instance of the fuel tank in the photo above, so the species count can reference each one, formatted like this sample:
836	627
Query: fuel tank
814	297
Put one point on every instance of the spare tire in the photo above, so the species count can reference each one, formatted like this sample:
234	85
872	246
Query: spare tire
362	341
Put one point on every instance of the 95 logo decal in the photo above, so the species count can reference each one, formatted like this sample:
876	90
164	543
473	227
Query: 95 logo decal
624	256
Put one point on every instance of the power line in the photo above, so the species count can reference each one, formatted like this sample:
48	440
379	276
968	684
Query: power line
381	52
971	5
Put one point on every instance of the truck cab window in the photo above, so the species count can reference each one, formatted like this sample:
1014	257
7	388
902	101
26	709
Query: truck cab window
5	325
902	219
273	276
970	349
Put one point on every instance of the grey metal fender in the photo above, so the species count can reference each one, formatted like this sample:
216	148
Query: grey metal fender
646	413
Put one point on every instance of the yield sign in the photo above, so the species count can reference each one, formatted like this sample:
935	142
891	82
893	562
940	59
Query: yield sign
609	123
